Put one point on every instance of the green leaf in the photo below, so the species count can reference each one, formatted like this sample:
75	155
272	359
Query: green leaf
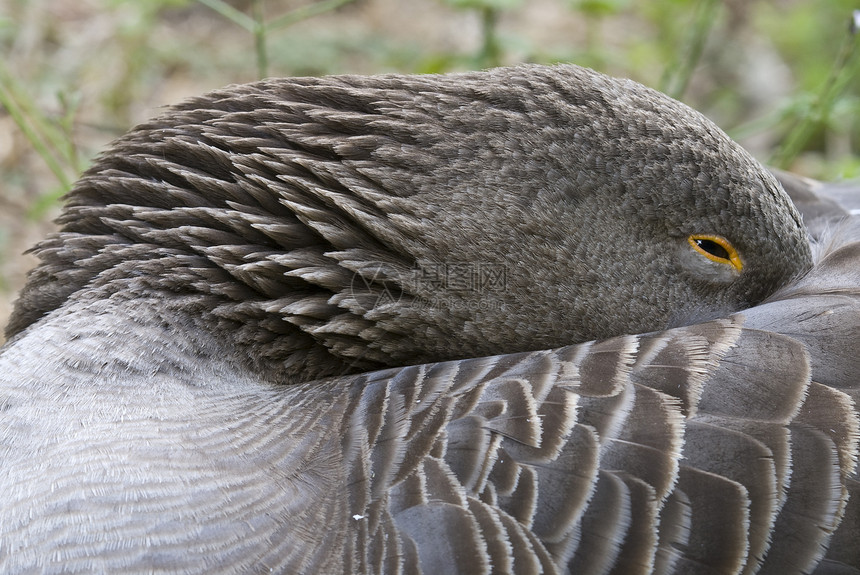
599	8
482	4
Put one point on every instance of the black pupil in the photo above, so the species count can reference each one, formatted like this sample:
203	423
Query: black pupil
713	248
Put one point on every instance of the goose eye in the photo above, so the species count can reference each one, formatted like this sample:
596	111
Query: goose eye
717	249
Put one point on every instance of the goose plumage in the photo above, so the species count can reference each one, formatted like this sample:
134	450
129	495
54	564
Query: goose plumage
439	324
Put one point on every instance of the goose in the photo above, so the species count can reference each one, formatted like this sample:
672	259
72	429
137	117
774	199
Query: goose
532	319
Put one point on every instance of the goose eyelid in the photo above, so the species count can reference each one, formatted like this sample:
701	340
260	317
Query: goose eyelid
717	249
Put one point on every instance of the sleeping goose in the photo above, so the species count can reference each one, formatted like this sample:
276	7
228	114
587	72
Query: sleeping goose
533	319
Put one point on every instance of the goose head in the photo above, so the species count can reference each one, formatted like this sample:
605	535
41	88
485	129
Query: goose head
330	225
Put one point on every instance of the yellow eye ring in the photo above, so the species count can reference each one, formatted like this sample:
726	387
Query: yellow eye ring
717	249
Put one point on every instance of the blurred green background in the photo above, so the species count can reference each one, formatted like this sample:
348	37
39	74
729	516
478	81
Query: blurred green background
779	76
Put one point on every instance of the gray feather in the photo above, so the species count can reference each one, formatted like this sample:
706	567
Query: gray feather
407	324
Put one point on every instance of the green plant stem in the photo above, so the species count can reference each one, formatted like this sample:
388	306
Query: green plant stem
260	48
821	106
490	50
41	136
678	73
259	28
231	14
66	127
58	140
305	12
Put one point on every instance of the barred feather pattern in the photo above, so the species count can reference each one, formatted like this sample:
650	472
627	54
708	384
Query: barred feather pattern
725	446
